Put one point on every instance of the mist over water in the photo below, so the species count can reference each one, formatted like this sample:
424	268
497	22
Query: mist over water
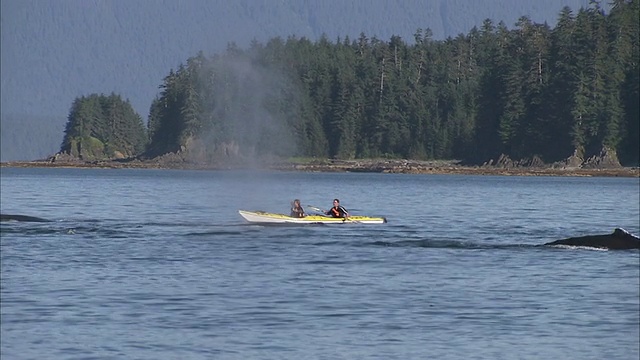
247	109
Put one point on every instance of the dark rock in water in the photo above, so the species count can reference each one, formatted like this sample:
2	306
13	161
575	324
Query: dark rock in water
620	239
25	218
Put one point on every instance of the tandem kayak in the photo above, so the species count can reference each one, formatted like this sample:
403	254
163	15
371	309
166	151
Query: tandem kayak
273	218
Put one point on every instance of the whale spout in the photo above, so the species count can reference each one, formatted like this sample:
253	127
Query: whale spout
25	218
620	239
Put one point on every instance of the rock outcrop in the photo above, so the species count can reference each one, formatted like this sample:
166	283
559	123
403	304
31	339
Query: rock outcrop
606	159
505	162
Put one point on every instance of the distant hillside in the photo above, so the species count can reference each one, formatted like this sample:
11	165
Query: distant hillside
53	51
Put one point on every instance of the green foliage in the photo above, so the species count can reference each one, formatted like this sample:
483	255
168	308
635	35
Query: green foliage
531	91
103	127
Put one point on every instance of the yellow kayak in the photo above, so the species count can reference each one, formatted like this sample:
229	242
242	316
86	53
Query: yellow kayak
273	218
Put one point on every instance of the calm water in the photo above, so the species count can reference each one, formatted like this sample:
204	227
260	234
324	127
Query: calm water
145	264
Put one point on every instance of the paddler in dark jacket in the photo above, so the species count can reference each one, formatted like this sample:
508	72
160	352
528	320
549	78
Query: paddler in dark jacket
296	209
337	211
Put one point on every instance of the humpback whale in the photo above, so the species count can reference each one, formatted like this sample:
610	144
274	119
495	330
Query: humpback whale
620	239
25	218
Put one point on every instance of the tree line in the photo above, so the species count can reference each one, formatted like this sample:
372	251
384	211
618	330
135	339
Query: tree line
533	91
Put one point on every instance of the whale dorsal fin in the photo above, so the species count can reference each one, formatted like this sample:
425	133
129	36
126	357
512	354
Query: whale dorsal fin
620	232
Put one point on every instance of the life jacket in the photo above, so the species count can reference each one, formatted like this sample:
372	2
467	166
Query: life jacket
297	212
335	212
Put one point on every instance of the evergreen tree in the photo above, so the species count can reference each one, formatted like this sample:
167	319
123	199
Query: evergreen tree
563	84
624	27
524	92
102	127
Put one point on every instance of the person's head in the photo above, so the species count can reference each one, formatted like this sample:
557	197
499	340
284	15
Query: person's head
336	202
296	202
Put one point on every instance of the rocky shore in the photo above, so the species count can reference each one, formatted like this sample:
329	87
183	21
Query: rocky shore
331	165
454	167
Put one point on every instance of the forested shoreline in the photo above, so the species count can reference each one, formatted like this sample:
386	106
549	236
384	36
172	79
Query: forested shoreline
534	94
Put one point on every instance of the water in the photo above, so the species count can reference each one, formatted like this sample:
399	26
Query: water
149	264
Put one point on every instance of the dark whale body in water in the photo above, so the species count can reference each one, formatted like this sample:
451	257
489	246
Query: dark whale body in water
25	218
620	239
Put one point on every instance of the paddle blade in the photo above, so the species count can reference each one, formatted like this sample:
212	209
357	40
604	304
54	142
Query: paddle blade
315	208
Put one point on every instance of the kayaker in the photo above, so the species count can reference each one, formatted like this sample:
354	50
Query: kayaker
296	209
337	211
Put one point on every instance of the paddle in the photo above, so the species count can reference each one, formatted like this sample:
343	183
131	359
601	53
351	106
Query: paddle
318	211
315	209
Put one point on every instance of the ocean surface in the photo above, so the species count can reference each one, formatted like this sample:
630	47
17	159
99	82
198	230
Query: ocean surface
158	264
